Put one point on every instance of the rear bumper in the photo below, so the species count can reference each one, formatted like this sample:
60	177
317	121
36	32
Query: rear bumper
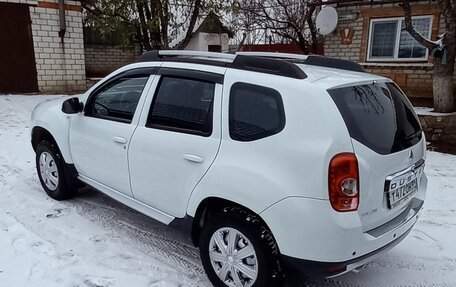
316	240
316	269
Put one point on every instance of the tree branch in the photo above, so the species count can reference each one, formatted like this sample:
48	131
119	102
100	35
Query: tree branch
144	31
241	44
193	19
409	27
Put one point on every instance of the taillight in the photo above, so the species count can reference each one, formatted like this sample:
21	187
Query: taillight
343	182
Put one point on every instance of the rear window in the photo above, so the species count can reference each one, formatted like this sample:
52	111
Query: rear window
379	116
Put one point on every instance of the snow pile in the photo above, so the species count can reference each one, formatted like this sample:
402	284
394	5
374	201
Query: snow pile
93	241
425	111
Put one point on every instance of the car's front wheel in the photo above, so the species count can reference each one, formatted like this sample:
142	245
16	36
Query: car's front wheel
49	165
238	251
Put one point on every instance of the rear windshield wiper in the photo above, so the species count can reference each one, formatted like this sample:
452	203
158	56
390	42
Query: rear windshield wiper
414	135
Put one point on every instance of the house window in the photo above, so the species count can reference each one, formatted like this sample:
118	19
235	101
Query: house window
389	41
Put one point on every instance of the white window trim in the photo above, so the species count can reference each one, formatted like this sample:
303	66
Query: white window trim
398	38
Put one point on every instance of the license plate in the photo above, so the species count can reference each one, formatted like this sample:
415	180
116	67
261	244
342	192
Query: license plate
401	187
401	194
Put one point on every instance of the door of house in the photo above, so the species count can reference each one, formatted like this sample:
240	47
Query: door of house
17	57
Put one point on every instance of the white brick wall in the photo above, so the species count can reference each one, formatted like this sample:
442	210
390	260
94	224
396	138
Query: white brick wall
60	66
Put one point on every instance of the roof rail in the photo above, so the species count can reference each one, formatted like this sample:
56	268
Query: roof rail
274	55
334	63
160	55
314	60
187	53
268	66
263	64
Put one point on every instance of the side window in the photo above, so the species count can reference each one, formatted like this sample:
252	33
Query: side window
255	112
117	101
183	105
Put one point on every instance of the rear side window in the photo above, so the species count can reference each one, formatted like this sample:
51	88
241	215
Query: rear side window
379	116
183	105
255	112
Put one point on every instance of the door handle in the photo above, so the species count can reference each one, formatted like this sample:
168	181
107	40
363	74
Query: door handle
193	158
120	140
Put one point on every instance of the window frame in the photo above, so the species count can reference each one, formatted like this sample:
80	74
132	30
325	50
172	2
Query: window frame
280	107
194	75
395	57
134	73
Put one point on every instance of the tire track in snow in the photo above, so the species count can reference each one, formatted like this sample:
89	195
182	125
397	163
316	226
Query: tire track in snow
174	253
130	221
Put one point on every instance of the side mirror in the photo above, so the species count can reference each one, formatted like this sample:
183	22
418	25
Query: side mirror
72	106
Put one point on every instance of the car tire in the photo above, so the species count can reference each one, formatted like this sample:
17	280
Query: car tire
50	169
251	237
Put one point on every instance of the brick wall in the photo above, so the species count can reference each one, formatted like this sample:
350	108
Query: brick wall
334	47
414	77
101	60
60	67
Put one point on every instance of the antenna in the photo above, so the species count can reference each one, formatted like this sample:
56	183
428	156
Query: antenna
327	20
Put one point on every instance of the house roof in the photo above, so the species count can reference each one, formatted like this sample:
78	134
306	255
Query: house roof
212	24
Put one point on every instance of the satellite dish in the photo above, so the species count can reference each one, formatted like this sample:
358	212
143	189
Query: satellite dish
326	21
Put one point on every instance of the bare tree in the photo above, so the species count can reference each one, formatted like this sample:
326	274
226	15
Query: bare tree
152	23
444	52
292	20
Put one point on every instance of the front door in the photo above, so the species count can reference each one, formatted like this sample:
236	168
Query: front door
100	137
174	147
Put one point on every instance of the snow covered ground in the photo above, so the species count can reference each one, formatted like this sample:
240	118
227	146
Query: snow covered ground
93	241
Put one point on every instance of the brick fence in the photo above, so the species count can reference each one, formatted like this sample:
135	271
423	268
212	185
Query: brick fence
101	60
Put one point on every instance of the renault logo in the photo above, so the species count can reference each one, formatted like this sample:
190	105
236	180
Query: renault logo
411	155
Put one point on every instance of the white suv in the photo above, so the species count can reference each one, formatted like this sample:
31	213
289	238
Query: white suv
274	163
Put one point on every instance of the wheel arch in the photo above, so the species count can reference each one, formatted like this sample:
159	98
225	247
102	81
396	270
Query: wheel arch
39	134
42	132
211	204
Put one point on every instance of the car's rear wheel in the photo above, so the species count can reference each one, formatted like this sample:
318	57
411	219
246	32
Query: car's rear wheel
50	168
238	251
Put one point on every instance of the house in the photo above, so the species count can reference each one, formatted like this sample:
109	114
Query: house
41	46
209	34
372	33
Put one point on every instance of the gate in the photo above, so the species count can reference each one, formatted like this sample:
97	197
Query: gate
17	57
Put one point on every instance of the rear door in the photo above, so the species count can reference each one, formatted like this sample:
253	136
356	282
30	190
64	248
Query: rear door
177	139
389	145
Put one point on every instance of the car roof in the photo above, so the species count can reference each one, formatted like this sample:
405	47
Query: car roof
312	69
